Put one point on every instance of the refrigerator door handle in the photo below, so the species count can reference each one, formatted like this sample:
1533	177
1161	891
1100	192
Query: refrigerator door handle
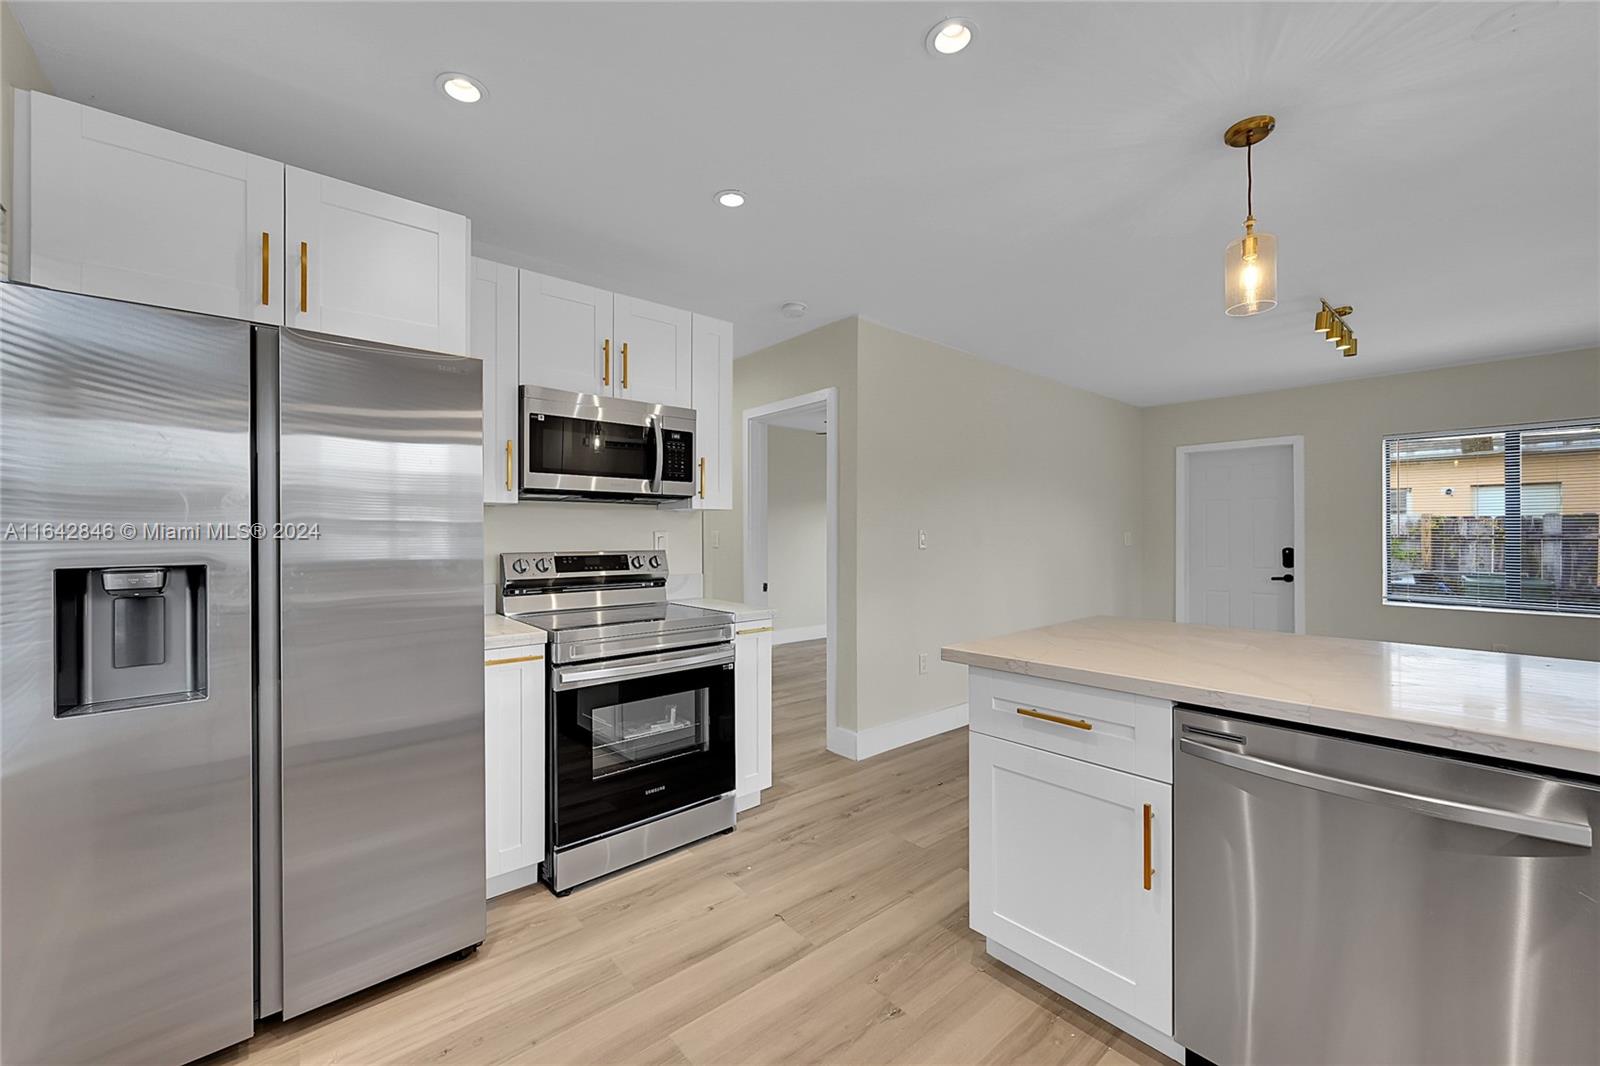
1556	830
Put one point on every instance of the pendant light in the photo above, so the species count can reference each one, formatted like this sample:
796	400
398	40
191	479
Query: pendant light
1250	264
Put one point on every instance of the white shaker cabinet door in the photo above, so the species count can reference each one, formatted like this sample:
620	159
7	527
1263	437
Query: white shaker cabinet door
654	349
513	734
712	343
752	730
107	206
494	340
1059	872
364	264
565	340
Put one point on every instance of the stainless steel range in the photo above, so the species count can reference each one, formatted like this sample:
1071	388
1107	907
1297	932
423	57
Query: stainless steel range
640	709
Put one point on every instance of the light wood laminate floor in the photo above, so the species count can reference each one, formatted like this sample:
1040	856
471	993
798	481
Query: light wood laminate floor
831	927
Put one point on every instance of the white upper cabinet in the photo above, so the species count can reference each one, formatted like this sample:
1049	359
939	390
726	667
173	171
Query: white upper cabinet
713	405
111	207
364	264
653	347
494	340
566	338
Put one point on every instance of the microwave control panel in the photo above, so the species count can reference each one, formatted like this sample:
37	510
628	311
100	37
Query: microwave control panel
677	455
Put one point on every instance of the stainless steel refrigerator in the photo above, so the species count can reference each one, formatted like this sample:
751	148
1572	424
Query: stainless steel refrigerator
241	769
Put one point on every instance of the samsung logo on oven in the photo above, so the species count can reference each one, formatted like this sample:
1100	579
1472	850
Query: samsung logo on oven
653	791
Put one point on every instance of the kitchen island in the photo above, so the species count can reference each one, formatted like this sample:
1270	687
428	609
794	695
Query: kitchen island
1202	835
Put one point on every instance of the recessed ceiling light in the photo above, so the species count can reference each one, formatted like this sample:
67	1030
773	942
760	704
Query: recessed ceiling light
951	36
793	309
730	198
460	87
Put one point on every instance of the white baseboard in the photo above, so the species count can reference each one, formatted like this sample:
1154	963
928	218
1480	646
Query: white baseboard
795	634
881	738
1140	1031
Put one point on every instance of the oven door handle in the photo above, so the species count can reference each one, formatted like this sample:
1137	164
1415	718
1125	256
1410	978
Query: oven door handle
571	677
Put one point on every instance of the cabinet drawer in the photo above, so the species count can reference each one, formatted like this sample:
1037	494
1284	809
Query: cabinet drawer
1115	729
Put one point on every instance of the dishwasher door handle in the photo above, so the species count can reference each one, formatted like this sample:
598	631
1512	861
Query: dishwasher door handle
1577	834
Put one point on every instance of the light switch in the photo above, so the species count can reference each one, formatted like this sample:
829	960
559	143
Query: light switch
716	538
922	540
1127	539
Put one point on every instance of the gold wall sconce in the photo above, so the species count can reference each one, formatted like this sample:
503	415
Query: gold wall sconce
1331	324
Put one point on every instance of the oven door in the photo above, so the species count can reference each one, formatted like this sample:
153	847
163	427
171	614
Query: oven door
579	444
635	738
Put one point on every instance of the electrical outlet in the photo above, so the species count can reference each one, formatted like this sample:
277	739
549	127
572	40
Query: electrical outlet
922	662
922	545
661	540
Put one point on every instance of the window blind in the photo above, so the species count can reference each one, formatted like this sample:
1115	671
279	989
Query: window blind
1505	518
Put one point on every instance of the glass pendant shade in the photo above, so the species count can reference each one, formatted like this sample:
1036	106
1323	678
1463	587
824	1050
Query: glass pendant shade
1250	273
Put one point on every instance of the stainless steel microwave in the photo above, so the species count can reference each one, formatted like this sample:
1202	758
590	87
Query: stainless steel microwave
578	445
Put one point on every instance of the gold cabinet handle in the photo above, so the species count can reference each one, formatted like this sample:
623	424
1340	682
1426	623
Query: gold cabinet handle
624	364
1076	723
605	374
266	268
1149	871
702	477
508	466
518	659
302	277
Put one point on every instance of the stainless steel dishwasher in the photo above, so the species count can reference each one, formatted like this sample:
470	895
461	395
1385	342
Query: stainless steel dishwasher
1342	901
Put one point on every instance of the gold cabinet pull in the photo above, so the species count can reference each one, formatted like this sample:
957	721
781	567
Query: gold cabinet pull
302	277
1076	723
518	659
605	374
1149	871
266	268
702	477
508	466
624	364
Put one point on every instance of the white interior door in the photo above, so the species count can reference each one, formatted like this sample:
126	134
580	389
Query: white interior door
1239	519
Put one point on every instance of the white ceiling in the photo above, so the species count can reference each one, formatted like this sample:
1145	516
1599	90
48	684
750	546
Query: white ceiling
1056	198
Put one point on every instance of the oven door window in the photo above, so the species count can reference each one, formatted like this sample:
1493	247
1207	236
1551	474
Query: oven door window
625	751
582	448
634	733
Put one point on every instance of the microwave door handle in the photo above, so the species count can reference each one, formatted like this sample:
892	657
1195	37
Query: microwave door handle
658	486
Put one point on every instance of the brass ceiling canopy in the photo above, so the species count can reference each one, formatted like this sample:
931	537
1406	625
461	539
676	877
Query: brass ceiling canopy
1248	131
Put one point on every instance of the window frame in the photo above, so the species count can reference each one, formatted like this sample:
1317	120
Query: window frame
1509	606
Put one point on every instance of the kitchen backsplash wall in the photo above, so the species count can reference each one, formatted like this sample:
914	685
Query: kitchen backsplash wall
566	526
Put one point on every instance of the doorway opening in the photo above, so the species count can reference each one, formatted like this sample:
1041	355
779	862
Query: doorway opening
815	413
1241	534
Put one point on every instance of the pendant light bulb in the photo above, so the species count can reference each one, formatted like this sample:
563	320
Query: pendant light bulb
1250	264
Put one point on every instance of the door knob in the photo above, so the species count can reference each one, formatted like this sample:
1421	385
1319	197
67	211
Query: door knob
1285	577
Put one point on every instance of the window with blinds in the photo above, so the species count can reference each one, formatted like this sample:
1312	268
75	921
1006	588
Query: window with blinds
1505	518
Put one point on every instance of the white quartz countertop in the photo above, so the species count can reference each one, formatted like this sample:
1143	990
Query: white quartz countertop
502	632
1529	709
742	612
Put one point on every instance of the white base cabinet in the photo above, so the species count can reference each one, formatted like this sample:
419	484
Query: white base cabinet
1071	860
752	683
514	769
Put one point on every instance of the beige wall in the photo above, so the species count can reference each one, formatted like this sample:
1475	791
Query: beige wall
19	69
797	527
1344	425
823	358
1027	489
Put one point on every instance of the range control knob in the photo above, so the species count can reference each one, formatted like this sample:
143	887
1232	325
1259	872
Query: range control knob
655	562
519	566
542	565
636	562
